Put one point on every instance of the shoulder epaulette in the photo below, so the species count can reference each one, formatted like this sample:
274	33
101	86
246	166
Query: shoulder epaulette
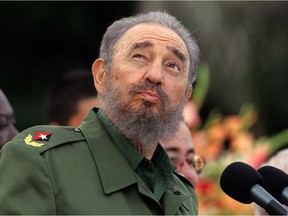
44	137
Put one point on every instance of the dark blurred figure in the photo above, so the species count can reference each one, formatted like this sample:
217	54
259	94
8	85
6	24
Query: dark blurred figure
7	120
70	98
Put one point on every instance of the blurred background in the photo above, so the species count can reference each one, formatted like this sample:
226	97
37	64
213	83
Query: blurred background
241	92
244	44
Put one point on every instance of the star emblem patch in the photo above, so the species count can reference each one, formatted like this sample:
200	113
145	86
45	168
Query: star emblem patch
42	136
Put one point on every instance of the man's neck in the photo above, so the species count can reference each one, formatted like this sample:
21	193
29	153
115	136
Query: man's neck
147	150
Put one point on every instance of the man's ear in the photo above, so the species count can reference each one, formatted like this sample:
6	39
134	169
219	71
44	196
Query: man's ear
189	93
98	71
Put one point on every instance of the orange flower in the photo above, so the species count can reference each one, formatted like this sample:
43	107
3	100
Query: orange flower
234	125
217	132
224	140
242	142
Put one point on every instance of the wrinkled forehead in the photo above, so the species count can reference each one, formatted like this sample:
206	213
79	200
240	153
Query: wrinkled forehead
151	31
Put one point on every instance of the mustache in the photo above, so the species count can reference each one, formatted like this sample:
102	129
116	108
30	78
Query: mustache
147	85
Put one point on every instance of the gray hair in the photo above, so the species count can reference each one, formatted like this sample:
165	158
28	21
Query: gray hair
119	27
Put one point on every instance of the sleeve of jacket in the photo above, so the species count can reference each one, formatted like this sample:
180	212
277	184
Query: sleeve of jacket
25	186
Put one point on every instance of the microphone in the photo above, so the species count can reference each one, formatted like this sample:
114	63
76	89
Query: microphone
275	182
243	183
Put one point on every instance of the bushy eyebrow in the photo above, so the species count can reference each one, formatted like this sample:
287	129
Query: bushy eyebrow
176	149
144	44
172	149
178	53
141	44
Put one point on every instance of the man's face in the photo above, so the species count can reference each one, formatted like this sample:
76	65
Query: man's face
7	121
149	53
181	151
146	88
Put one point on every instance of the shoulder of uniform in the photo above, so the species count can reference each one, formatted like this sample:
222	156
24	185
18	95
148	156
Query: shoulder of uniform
182	178
45	137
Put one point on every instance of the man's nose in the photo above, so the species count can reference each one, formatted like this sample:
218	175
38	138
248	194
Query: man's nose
155	73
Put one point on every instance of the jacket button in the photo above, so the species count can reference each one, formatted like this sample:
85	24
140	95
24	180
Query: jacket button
177	192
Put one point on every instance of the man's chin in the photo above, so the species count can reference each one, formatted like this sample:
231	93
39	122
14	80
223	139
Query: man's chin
149	108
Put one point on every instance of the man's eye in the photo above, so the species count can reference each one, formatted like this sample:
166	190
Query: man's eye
190	162
174	66
138	56
4	121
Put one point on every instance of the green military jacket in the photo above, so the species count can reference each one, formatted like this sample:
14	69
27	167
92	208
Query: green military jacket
80	171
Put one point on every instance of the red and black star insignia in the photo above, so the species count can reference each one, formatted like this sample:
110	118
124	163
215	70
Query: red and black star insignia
42	136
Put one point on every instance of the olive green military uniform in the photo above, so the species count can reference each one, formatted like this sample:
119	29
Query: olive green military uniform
61	170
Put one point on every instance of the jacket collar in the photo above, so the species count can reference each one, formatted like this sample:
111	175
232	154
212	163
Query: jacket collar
114	170
116	173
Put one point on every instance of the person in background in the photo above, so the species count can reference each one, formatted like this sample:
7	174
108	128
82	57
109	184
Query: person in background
7	120
280	161
70	98
113	164
181	150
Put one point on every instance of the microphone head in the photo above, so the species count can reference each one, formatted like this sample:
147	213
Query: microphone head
237	180
275	180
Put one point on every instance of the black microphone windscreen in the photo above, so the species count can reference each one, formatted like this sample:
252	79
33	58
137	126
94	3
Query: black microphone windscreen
275	180
237	180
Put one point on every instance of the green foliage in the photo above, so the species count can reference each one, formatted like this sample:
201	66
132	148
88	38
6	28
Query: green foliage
202	85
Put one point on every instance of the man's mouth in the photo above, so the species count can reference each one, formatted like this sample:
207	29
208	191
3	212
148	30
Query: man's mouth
150	96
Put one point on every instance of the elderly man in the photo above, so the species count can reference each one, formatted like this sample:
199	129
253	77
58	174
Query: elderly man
7	120
113	163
